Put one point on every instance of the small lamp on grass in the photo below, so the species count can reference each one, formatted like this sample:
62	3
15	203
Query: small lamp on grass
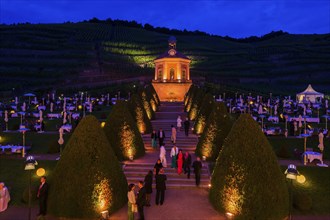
30	164
291	173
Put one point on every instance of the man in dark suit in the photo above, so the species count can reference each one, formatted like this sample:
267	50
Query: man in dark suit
141	200
160	187
161	137
197	165
186	125
42	196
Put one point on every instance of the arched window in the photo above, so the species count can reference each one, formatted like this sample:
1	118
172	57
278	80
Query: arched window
184	74
160	75
171	74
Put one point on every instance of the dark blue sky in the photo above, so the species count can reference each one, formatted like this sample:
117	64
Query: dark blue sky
236	18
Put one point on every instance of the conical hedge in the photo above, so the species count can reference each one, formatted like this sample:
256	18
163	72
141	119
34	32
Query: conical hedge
203	114
146	104
216	130
139	114
196	104
191	93
88	178
122	133
247	181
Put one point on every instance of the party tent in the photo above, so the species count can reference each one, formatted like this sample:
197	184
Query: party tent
309	95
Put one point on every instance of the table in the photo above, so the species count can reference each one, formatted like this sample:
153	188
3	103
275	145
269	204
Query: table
273	119
54	115
14	149
67	128
41	107
311	155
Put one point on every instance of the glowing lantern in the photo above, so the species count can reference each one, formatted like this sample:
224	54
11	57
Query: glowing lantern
41	172
301	179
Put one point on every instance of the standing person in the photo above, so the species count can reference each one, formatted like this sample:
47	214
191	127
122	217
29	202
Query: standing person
141	200
160	187
158	166
154	139
295	128
42	196
187	164
148	186
186	126
161	136
173	134
180	162
162	155
197	165
131	201
4	197
174	153
179	123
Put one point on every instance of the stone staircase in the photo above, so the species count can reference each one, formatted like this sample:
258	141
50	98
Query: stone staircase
165	117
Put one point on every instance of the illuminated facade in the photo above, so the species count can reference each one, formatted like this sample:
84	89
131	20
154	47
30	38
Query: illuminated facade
172	74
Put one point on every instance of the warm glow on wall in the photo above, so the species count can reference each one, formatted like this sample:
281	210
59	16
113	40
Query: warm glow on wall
102	195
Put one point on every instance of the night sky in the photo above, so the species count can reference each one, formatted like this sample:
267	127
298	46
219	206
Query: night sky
235	18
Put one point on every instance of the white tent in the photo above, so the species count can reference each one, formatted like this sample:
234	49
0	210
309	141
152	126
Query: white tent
309	95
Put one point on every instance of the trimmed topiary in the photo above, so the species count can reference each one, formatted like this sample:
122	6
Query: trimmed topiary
138	112
217	128
302	201
247	181
203	114
153	92
187	95
146	104
88	178
190	98
196	104
123	134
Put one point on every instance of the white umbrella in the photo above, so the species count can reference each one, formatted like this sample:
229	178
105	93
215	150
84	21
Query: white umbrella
300	121
64	118
321	145
51	107
16	100
24	107
260	110
275	110
40	119
6	119
90	107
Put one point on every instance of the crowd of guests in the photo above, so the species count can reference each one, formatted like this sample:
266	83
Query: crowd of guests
138	198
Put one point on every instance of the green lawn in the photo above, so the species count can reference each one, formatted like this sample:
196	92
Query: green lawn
316	187
12	173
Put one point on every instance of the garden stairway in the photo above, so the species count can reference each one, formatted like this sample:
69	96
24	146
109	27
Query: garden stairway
165	117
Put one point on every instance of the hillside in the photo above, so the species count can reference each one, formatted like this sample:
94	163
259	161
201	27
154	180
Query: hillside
79	54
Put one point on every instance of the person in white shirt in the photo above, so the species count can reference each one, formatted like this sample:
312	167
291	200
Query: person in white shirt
131	202
162	155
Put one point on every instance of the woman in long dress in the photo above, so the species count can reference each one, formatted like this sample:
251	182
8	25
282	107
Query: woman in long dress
154	139
131	201
4	197
179	122
174	153
180	161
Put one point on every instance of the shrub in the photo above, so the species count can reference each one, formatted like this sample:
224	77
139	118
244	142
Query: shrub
146	104
123	134
139	114
193	89
247	180
88	178
203	114
216	130
196	104
302	201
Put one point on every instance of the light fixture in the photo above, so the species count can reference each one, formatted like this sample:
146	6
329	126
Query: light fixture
291	172
30	163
